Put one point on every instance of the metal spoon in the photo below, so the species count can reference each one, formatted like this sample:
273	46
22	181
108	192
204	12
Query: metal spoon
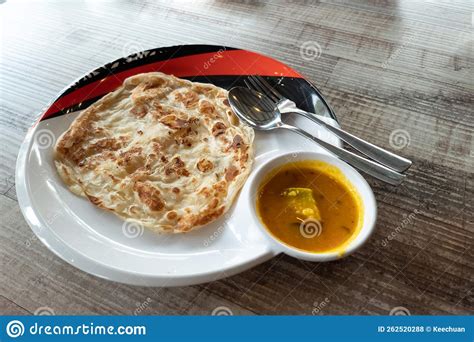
259	112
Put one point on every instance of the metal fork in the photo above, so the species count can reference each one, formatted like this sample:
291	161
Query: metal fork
285	105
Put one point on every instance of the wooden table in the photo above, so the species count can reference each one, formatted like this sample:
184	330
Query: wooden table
398	73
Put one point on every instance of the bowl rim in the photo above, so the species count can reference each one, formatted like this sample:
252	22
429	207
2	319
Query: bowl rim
368	201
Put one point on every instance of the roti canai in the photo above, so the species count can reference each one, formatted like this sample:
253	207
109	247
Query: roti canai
162	151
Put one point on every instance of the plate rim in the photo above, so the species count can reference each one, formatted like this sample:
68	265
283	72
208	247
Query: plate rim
332	114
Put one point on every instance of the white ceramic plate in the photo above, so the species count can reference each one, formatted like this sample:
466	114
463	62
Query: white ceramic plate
100	243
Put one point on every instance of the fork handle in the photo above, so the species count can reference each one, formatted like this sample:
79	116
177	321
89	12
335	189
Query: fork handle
368	166
379	154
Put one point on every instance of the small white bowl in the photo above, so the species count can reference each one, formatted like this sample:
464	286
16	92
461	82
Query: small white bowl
369	206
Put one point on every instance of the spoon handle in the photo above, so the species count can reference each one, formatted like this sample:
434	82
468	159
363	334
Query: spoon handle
376	170
379	154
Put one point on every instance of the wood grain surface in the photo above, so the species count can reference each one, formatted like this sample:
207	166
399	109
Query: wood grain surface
398	73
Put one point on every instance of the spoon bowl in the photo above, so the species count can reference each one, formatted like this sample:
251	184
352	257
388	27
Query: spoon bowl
255	109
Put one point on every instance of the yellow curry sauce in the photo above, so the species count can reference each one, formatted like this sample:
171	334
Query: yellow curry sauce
310	205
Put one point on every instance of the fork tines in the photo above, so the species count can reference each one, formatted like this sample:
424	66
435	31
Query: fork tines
259	84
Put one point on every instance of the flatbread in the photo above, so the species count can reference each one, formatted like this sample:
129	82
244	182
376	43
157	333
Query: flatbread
162	151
